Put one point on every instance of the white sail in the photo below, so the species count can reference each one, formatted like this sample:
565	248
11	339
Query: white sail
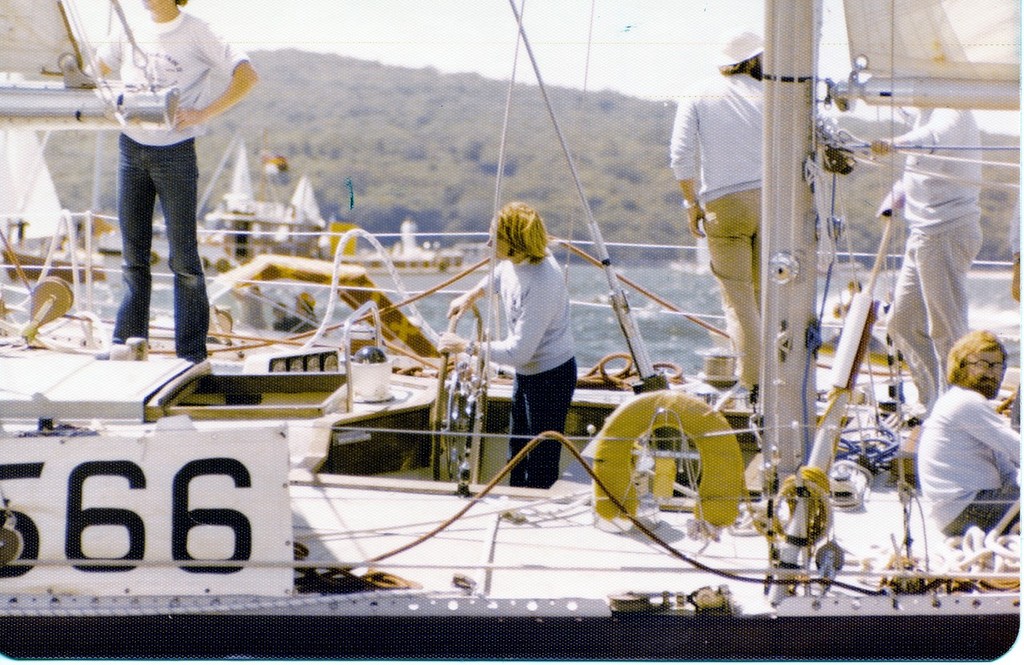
937	38
304	202
32	37
241	179
28	197
42	81
936	52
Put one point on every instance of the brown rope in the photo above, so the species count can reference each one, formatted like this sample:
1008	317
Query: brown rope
638	524
661	301
599	376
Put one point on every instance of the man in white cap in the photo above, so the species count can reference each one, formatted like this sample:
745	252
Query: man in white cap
716	141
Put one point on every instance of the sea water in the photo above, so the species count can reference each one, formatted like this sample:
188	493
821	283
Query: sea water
680	337
674	337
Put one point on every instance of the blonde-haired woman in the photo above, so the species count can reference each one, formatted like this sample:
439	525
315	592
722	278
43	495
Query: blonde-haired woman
539	343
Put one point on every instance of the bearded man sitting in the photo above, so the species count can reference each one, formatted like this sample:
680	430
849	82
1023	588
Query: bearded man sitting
969	455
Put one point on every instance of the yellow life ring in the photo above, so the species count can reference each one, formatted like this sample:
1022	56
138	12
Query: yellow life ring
722	482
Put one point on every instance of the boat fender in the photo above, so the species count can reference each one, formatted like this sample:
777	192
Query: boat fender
722	482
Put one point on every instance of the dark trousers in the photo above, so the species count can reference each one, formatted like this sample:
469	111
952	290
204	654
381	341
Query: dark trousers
540	402
985	512
170	173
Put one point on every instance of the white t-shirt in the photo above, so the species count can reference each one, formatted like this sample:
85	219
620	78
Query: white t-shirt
184	53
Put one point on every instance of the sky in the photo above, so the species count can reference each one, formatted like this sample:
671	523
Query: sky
644	48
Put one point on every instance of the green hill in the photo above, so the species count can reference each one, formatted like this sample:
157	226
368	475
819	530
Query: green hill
383	143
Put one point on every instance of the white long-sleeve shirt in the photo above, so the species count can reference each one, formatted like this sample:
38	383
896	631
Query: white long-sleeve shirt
716	137
942	190
536	305
965	447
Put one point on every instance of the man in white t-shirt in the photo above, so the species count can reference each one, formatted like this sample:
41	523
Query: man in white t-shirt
173	50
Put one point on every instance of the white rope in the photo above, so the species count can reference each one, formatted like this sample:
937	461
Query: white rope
927	151
332	301
971	181
950	158
140	58
980	552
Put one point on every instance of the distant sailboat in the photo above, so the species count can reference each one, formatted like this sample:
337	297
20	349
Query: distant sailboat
250	221
31	215
29	205
304	203
241	181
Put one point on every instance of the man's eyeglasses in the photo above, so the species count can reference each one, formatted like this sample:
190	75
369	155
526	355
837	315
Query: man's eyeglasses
987	364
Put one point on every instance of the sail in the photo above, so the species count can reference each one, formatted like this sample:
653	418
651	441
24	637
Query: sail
937	38
936	52
304	202
28	197
42	83
32	37
241	179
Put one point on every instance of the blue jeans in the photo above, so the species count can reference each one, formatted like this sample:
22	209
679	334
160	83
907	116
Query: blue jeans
540	402
172	174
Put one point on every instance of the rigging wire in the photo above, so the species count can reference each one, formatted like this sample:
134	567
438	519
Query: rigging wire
577	124
491	321
104	88
649	378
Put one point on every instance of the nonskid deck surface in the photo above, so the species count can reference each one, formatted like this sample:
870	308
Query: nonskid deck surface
507	548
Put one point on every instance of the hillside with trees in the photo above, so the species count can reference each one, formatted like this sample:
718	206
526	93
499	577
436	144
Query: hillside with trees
383	143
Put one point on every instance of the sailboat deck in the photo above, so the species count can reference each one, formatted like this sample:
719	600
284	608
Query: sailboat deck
548	547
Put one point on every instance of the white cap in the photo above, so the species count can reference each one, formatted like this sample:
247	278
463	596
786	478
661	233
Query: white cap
740	47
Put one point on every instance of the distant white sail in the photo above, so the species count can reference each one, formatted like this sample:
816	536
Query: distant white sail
28	197
241	179
304	202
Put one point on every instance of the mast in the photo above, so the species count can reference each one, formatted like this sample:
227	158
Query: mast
788	243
